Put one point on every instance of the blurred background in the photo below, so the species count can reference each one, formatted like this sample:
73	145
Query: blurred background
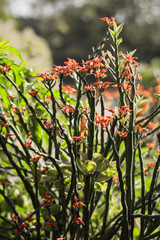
48	31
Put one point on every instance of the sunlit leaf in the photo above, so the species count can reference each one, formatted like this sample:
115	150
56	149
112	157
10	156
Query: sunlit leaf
112	34
3	43
35	130
119	29
14	51
86	167
4	96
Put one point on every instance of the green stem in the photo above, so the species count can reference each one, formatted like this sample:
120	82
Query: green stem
26	101
25	182
106	206
125	223
56	146
91	130
38	226
130	157
121	91
142	191
102	131
73	178
153	182
10	204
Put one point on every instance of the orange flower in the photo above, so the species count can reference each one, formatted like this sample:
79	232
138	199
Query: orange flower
116	179
158	80
51	223
28	144
111	110
47	200
109	21
78	220
48	98
10	96
9	135
33	93
68	89
15	109
89	87
122	135
150	145
151	164
4	125
24	109
145	171
5	68
35	159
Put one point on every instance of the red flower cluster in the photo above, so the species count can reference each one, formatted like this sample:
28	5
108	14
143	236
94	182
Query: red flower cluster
104	121
35	159
123	111
21	227
15	109
48	77
51	222
129	60
3	181
47	200
4	125
122	135
48	124
77	203
8	135
33	93
151	164
78	220
76	206
68	110
109	21
5	68
68	89
28	144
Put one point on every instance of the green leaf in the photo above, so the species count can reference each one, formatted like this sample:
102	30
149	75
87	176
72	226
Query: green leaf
86	167
119	41
109	54
42	189
64	156
112	34
69	100
14	51
132	53
108	173
119	29
100	186
6	61
55	209
3	80
4	42
4	96
56	93
102	163
17	76
35	131
115	26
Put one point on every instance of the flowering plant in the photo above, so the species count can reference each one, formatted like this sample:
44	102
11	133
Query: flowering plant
72	162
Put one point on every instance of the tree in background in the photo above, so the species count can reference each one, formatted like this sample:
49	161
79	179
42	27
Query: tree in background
34	48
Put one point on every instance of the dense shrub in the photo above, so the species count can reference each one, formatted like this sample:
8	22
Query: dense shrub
76	164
